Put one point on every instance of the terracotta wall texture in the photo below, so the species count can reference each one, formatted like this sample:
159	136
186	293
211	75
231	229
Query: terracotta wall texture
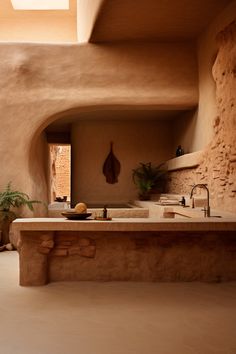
218	166
195	130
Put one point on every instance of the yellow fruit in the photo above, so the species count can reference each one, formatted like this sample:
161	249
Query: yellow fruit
81	208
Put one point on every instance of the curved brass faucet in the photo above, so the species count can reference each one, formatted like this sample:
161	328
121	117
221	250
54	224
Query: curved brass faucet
207	212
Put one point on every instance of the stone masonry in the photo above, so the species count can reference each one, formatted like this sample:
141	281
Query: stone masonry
126	256
218	165
60	174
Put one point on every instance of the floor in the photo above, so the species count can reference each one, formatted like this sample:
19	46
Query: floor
115	318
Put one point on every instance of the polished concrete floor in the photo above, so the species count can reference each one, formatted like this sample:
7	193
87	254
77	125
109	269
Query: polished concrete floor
115	318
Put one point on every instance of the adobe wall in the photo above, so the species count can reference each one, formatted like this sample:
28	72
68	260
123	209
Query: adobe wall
218	167
40	81
134	141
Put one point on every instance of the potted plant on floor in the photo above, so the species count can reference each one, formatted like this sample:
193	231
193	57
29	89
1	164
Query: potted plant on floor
148	179
11	199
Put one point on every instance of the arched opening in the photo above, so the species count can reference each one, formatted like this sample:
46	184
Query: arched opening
139	134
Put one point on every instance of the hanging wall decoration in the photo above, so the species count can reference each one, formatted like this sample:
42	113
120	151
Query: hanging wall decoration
111	167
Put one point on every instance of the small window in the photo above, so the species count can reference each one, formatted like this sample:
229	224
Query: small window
40	4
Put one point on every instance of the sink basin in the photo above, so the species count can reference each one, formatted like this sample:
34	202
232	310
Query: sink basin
180	212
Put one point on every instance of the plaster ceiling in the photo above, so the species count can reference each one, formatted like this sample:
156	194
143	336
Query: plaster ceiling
154	19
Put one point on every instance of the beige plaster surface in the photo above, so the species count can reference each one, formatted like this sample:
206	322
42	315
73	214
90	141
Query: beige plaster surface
41	83
87	11
115	317
133	142
126	224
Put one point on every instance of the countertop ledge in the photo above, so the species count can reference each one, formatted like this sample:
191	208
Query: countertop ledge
125	224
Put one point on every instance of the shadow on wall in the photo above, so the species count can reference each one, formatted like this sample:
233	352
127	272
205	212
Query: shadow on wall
184	129
38	167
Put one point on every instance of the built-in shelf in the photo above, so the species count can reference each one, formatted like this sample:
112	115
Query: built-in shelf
185	161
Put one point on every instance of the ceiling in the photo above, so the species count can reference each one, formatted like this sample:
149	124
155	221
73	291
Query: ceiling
120	20
110	20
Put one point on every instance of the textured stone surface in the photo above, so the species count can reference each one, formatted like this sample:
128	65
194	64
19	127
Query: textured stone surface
218	165
133	256
60	171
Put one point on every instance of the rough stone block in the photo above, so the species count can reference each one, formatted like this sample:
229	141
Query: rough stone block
64	244
73	251
83	242
47	244
44	250
88	251
59	252
46	237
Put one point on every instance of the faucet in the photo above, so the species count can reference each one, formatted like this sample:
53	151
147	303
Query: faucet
207	209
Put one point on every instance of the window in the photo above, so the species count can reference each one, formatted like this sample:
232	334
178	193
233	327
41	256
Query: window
40	4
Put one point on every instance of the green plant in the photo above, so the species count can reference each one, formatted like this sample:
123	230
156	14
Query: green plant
147	178
11	199
14	199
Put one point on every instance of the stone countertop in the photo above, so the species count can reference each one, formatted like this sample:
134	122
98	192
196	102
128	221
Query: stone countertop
126	224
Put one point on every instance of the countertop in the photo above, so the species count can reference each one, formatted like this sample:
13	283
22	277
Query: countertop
126	224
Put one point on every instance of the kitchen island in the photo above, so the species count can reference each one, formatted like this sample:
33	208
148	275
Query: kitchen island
140	249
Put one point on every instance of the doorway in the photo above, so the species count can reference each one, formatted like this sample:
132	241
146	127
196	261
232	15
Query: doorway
60	172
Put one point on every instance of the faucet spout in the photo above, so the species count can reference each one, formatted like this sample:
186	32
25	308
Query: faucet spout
204	186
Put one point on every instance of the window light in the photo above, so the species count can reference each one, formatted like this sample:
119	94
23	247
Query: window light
40	4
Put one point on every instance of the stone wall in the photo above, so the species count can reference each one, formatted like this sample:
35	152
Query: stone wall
62	165
126	256
218	166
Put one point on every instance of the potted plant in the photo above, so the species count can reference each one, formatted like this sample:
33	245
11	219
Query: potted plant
148	178
11	199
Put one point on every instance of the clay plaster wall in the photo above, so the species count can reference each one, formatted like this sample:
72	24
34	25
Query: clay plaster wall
134	142
218	166
40	81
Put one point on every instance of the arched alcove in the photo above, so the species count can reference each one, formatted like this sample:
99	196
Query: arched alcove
139	134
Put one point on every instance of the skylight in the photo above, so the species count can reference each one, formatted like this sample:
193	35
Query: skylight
40	4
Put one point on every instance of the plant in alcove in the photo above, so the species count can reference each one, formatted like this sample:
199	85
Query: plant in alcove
11	199
148	179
